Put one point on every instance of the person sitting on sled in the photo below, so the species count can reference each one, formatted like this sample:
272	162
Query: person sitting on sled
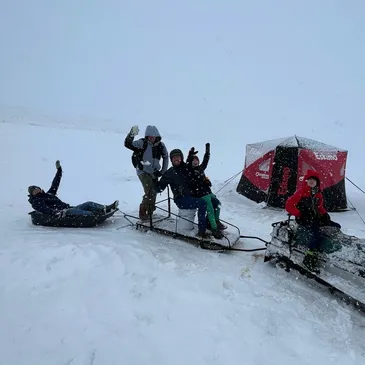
177	176
306	205
201	184
49	203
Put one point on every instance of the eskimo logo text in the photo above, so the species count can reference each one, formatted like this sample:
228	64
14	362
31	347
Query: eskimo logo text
325	156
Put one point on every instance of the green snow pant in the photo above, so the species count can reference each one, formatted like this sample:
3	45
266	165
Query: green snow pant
213	209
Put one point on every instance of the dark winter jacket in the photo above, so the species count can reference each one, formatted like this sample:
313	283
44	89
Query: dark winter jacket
199	182
178	179
307	204
49	203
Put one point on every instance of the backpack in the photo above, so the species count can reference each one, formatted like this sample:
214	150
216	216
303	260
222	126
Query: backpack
137	156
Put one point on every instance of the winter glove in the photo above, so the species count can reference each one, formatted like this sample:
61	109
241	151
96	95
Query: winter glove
207	147
157	174
192	151
134	131
58	165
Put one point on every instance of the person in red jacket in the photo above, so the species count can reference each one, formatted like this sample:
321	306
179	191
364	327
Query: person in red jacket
306	205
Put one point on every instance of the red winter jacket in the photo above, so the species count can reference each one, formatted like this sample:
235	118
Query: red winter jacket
303	205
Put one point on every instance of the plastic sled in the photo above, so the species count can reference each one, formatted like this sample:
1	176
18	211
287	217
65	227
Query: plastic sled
71	221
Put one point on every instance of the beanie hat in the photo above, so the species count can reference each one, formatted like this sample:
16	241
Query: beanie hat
32	188
176	152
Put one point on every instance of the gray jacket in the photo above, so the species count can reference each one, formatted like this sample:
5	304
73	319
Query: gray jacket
150	163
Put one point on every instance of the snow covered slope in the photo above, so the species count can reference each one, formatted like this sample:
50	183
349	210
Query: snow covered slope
112	296
75	76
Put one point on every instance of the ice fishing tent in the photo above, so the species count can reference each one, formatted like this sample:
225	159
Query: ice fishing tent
273	170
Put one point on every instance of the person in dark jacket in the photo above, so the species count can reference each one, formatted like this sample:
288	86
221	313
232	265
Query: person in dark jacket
177	177
49	203
306	205
148	152
201	187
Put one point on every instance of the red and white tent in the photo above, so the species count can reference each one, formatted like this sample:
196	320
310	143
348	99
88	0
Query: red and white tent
274	169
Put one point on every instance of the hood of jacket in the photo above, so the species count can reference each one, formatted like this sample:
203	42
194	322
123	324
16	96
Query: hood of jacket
152	131
313	174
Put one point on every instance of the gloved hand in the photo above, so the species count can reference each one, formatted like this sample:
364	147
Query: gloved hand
134	131
58	165
192	151
207	147
157	174
61	213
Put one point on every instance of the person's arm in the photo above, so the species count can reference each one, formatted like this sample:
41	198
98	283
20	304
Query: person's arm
165	180
165	157
321	209
56	180
189	160
129	141
291	204
206	158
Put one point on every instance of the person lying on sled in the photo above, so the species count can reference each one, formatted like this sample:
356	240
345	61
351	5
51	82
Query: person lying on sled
306	205
177	177
200	185
49	203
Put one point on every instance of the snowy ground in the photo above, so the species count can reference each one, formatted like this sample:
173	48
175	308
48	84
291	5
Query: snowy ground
119	296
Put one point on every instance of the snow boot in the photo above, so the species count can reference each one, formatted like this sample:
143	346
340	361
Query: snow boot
143	216
311	261
217	234
221	226
202	234
113	206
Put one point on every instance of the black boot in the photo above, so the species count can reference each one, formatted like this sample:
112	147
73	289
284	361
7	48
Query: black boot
113	206
221	226
217	234
202	233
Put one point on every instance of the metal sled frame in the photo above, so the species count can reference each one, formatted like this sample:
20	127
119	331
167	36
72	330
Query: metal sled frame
198	242
289	264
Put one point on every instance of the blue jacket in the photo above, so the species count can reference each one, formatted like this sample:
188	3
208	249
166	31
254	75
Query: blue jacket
49	203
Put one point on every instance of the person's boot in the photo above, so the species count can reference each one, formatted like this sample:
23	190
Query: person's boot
311	261
113	206
202	233
143	212
220	225
217	234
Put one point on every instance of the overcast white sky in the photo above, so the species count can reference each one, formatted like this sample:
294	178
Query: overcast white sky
223	65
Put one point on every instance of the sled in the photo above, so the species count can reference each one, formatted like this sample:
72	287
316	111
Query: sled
164	222
341	257
70	221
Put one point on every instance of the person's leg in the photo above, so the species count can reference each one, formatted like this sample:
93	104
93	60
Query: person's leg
91	206
210	211
189	202
217	206
77	211
311	237
147	184
217	211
